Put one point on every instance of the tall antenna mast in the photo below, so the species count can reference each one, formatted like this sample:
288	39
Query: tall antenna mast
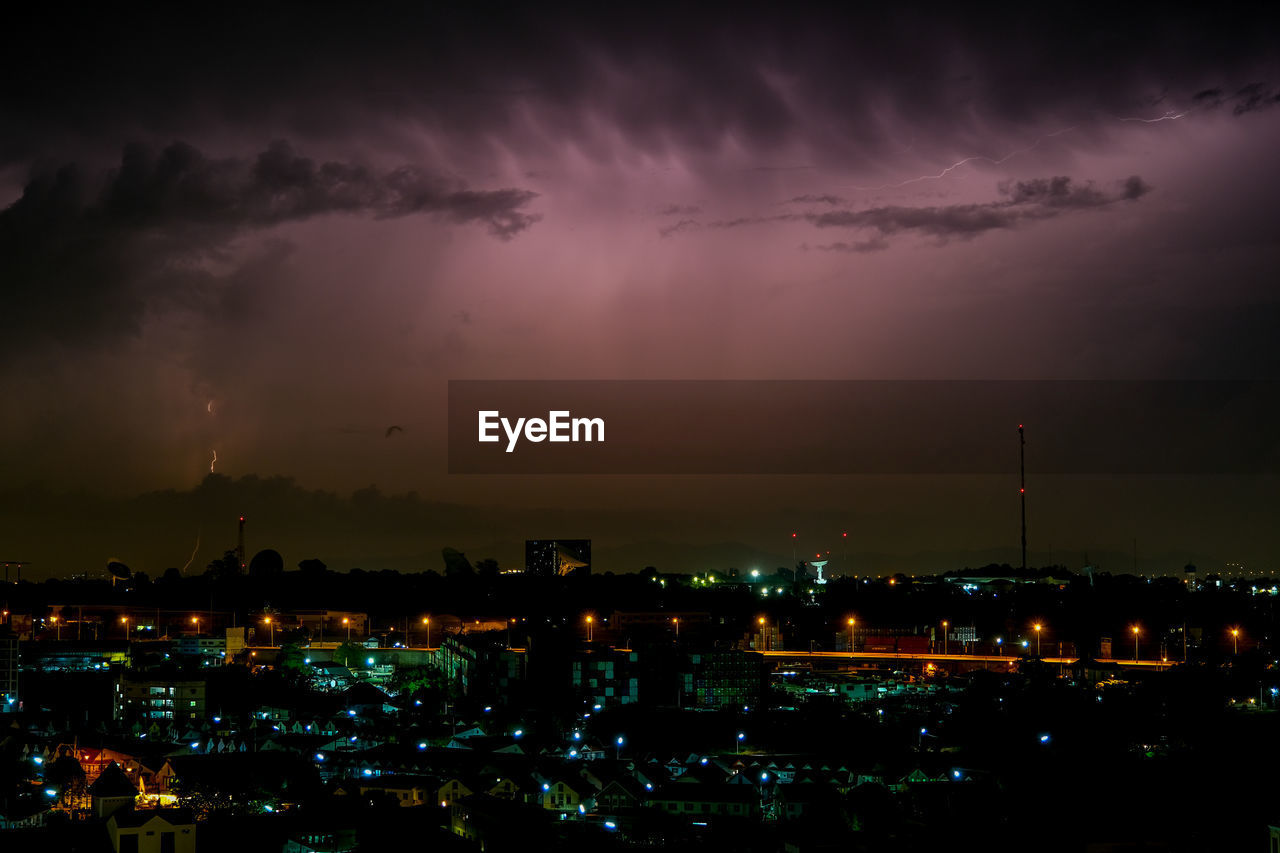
1022	490
240	546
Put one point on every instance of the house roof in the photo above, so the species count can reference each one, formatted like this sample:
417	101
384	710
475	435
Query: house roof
707	793
138	817
113	782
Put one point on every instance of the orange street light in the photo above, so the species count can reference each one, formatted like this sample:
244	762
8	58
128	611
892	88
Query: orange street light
1235	641
1136	632
590	622
851	622
1036	627
426	620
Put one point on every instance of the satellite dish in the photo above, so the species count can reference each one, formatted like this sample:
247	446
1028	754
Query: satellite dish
118	570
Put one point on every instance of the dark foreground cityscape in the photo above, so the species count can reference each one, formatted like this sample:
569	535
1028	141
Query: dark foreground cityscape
255	708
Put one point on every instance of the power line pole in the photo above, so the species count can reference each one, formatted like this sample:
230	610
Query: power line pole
1022	490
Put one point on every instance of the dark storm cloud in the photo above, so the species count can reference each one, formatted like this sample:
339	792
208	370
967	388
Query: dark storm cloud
826	198
680	210
1255	96
665	78
1248	98
1023	201
182	186
679	227
84	256
876	244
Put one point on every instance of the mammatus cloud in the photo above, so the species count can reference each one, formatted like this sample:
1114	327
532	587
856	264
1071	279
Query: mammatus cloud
84	256
1021	202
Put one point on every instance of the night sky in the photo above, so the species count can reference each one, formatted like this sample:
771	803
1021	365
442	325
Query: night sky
271	234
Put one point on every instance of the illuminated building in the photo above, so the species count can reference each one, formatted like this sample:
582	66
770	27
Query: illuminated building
557	557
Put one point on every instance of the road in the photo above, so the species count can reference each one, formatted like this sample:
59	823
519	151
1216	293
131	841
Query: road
952	658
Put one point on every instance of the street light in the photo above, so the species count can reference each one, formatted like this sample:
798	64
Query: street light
764	637
57	627
945	623
590	622
124	620
272	626
1036	627
1136	632
675	620
617	747
1235	641
195	620
426	620
1000	646
851	622
347	622
737	742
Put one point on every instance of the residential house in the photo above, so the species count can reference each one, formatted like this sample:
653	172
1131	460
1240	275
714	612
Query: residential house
152	831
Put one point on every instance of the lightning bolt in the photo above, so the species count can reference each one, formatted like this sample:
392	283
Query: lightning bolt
193	552
209	408
1168	116
214	462
994	161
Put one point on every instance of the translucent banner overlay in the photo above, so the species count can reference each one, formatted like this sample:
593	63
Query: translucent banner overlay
863	427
